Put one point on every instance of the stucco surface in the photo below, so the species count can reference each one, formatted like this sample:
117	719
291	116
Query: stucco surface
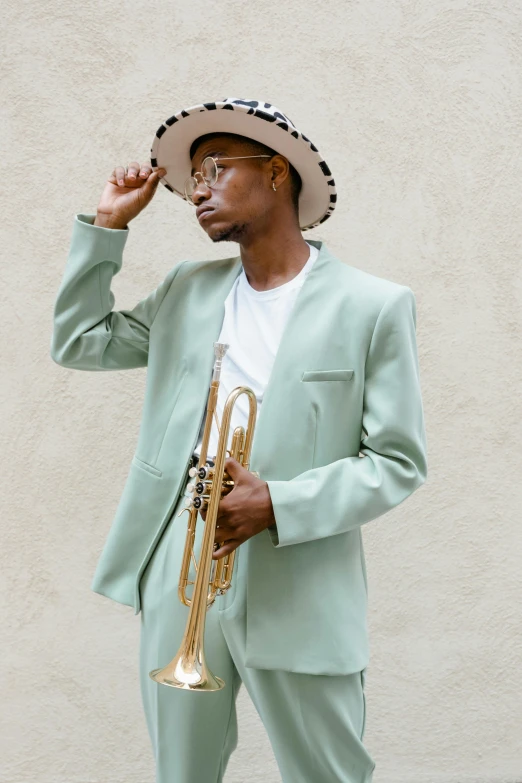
417	107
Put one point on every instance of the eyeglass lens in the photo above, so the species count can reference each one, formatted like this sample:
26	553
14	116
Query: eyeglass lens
209	173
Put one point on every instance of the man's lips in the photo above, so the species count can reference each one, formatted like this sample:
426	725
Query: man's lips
201	212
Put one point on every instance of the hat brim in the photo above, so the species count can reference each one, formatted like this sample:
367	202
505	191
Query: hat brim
173	139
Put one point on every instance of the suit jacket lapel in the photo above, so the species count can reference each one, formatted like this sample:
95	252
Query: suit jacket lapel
301	332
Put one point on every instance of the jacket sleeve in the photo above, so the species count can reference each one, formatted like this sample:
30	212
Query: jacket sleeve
351	491
87	333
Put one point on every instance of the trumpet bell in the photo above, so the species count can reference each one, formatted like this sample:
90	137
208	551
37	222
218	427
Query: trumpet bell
189	675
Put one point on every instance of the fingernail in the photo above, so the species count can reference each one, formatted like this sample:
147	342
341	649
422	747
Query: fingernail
120	182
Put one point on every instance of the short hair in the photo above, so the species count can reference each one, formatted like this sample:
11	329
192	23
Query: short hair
256	148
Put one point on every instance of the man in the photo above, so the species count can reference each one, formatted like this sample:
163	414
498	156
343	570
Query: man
330	352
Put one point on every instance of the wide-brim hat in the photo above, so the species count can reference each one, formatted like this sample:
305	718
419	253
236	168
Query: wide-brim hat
257	120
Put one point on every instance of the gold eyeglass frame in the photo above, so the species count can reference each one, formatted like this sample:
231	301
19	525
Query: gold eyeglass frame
205	179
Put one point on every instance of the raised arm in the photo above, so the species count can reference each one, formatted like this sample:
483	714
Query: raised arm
87	333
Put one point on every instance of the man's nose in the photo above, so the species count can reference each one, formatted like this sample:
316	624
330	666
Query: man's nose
201	191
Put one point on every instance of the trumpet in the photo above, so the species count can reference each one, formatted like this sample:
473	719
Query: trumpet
188	669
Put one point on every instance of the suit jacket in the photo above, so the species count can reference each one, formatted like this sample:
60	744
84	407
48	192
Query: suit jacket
339	438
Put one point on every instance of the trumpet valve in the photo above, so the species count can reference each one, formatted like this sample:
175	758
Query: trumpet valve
205	471
203	487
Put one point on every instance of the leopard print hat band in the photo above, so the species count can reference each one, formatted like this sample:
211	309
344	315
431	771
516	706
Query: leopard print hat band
257	120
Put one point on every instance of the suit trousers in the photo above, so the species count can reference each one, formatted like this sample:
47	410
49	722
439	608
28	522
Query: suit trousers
315	723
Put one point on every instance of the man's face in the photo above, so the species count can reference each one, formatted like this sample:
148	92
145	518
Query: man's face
240	197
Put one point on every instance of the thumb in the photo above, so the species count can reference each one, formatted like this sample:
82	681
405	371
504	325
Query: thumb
233	468
153	181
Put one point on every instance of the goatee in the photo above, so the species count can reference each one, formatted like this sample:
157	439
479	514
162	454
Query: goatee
232	234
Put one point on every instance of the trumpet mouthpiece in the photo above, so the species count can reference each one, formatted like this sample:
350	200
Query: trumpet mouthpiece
220	349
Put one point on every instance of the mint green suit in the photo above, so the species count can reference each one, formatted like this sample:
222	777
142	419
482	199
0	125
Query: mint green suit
339	439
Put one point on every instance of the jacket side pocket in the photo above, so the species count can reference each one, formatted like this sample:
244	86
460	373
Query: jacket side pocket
147	466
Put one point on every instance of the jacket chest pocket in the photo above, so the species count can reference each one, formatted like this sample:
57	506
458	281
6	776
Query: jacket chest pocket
327	375
336	399
330	391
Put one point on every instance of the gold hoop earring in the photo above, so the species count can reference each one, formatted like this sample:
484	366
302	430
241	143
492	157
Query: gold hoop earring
273	185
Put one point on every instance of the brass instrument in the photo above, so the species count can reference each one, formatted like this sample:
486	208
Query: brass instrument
188	669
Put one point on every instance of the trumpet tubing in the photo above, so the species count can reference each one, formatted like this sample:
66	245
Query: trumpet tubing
188	668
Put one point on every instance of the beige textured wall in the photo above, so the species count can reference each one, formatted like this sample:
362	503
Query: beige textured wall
417	106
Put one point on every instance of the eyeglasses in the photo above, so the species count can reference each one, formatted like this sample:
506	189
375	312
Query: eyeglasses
209	174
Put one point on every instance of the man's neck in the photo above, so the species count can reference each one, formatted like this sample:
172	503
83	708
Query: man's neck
271	261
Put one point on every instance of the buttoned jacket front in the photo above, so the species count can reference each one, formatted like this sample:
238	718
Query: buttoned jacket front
339	438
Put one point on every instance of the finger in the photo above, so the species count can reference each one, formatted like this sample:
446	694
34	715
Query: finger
119	175
225	549
223	533
145	170
222	513
133	169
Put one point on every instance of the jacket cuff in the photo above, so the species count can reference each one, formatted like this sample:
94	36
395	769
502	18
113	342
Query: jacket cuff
282	509
274	534
92	244
89	218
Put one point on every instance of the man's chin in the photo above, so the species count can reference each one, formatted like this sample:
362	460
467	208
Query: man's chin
234	232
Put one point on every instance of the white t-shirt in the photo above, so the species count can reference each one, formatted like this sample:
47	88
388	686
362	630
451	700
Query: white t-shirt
253	324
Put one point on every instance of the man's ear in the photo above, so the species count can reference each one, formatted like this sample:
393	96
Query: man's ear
279	170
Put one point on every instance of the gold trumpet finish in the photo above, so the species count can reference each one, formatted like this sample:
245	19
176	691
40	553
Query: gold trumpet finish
188	668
